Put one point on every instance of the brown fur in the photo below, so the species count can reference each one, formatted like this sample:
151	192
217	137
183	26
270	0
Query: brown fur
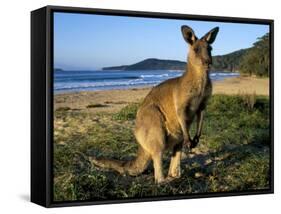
164	117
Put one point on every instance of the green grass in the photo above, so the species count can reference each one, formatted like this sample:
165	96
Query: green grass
233	153
126	113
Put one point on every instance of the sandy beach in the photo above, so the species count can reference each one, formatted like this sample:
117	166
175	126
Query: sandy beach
113	100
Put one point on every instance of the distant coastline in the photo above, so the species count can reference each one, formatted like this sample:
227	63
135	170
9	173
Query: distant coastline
151	64
58	69
226	63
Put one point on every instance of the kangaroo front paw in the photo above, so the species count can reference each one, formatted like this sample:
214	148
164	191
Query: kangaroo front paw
187	143
194	142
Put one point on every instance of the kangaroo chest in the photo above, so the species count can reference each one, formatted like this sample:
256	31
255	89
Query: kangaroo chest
198	94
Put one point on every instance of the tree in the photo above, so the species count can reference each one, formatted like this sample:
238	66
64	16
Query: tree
256	60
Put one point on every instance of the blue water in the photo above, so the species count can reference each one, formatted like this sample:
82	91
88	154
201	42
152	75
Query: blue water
73	81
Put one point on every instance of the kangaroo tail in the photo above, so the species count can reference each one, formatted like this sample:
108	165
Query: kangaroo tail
133	167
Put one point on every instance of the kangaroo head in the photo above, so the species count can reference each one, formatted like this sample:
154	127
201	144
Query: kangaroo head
199	49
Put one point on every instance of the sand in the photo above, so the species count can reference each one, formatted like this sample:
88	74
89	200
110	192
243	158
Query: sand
242	85
113	100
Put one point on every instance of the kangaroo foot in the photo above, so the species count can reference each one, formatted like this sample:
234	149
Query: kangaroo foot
174	174
167	180
159	180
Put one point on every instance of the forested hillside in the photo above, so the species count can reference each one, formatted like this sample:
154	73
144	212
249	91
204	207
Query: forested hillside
256	61
228	62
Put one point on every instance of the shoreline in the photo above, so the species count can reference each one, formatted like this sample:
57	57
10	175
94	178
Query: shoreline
115	99
122	81
112	89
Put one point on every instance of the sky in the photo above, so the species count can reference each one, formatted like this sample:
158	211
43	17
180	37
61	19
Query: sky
90	42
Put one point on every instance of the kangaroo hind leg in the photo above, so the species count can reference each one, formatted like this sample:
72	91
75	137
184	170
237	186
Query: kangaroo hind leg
151	135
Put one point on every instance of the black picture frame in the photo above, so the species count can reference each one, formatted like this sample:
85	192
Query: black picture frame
42	101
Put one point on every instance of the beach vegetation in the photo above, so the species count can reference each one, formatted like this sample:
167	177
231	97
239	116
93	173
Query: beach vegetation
64	108
96	105
127	113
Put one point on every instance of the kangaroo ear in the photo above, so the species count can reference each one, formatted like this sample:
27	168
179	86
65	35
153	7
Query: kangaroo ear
188	34
211	35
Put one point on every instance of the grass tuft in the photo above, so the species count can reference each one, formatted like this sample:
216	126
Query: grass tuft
127	113
63	109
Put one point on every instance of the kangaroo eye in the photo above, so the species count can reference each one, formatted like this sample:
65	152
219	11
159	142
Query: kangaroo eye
196	49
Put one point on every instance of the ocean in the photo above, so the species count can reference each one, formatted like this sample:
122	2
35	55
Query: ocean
74	81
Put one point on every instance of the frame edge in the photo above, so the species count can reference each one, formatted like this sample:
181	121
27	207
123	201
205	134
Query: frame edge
38	107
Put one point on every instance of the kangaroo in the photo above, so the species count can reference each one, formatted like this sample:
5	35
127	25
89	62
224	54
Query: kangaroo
164	117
